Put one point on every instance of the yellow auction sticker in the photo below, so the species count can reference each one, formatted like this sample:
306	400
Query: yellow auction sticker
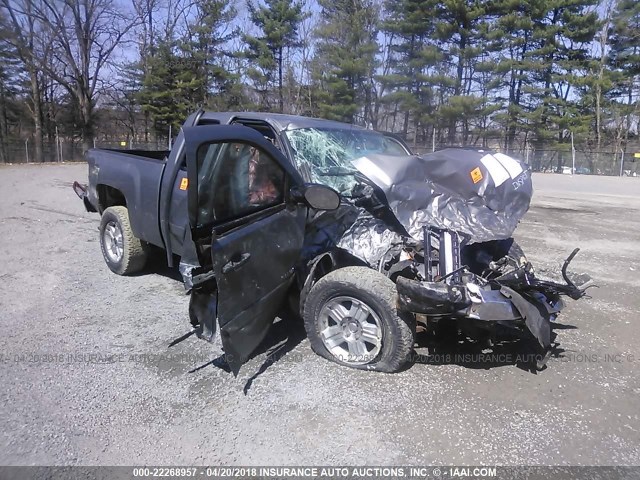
476	175
184	183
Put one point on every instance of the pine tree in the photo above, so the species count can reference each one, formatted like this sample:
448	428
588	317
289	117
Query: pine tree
512	40
24	34
459	34
595	87
206	48
624	38
410	26
548	45
442	67
345	62
169	89
278	22
11	77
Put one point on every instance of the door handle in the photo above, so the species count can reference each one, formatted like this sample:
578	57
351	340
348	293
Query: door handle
236	264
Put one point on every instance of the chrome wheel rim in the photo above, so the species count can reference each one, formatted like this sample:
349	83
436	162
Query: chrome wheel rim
113	241
350	330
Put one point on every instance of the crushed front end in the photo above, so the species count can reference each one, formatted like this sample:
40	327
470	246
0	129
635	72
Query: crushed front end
482	285
448	245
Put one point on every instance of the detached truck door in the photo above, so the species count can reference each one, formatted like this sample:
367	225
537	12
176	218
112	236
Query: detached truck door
247	233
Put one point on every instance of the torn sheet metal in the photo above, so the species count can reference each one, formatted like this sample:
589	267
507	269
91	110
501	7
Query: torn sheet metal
186	270
188	261
350	228
369	238
479	195
536	316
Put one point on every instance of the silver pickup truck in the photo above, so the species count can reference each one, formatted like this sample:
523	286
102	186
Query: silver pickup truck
340	224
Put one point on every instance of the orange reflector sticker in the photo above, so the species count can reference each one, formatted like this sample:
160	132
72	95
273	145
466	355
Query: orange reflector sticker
476	175
184	183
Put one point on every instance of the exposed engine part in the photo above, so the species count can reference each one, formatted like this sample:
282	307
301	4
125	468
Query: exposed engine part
503	289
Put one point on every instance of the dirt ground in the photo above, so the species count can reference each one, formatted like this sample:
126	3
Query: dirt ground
89	377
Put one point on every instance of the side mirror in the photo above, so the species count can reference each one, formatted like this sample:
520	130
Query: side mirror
319	197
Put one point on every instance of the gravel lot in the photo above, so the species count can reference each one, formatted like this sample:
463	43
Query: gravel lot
88	376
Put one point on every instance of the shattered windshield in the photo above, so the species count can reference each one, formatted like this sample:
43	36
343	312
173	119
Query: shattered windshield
324	155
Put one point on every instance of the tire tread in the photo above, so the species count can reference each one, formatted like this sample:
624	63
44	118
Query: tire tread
134	257
395	350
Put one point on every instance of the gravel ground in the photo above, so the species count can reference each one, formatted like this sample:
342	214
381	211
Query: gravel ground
88	376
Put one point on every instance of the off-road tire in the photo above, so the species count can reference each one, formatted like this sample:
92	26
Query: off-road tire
134	254
379	294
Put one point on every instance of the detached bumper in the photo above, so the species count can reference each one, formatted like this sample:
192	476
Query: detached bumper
433	298
533	308
439	298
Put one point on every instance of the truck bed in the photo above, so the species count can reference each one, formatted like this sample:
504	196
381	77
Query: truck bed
151	154
132	178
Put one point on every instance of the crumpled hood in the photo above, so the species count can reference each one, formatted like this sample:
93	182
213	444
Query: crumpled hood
480	195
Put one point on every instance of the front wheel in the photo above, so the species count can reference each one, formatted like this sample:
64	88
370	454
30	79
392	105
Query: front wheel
351	318
123	253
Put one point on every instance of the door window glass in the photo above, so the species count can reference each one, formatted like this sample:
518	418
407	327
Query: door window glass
235	179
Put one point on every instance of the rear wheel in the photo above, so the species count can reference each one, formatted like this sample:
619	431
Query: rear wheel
123	253
351	318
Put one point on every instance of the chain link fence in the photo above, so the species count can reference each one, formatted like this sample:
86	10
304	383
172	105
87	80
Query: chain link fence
68	151
587	162
581	162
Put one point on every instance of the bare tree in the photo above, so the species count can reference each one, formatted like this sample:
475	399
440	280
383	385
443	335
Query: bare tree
177	14
84	35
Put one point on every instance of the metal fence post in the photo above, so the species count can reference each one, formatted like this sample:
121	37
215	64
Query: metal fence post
59	157
573	156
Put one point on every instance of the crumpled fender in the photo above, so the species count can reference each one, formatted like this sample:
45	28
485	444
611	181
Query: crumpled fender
539	324
311	276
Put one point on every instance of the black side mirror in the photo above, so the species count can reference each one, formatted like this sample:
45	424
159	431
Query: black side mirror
319	197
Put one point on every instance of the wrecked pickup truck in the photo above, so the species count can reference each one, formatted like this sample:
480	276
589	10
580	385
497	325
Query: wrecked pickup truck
339	224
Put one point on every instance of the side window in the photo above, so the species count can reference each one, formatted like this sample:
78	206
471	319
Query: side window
235	179
262	127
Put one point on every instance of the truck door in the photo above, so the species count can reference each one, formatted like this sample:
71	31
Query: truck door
247	232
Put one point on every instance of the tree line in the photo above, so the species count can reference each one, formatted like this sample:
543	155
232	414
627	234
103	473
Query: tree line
538	75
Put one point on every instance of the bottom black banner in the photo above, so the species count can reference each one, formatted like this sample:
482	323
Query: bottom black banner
323	472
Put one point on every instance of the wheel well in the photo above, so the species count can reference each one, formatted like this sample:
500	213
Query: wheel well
324	264
109	197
